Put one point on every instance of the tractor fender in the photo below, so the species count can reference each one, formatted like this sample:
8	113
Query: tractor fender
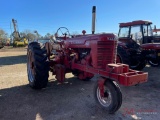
154	46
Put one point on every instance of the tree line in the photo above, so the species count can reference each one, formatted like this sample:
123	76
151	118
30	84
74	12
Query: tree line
30	35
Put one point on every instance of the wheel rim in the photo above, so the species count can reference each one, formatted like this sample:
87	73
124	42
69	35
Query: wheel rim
30	69
107	99
153	62
135	65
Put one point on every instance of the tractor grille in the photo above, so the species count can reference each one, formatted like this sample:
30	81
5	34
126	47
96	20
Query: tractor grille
106	53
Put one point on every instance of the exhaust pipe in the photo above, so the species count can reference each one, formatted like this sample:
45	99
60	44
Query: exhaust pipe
93	18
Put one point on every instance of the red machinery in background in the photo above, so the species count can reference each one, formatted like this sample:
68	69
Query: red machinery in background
85	56
156	34
137	44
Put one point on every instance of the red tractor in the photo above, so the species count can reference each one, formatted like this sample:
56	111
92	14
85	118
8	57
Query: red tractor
156	34
137	45
85	56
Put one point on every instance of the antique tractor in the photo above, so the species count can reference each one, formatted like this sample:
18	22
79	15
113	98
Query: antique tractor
137	45
85	56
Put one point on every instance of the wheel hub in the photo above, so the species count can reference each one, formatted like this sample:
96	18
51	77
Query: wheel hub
30	66
107	99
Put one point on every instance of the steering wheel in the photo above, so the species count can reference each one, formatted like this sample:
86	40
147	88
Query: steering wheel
62	32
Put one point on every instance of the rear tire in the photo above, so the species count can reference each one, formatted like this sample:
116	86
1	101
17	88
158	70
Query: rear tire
126	59
122	55
112	92
140	65
37	66
154	63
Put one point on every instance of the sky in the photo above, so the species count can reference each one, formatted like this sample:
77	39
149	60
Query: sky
46	16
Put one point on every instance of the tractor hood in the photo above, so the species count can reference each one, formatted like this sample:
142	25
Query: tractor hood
155	46
128	43
86	40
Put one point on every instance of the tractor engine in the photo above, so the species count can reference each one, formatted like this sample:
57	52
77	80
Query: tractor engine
94	51
82	56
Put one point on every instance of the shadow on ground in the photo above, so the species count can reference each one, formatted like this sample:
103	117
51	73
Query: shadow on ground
12	60
74	101
54	102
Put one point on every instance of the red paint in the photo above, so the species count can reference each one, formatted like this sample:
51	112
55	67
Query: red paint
101	52
60	72
138	22
101	82
154	46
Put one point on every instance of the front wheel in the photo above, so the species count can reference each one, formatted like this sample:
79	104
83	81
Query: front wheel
112	99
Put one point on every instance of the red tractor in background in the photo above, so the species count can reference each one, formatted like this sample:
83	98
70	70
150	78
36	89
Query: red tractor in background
156	34
137	45
85	56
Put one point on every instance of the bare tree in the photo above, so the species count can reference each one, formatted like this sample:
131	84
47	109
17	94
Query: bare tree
48	35
3	35
28	34
74	33
38	36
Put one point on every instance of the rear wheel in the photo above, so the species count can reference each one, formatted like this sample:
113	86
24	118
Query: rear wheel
139	65
37	66
122	56
136	62
112	99
118	59
154	62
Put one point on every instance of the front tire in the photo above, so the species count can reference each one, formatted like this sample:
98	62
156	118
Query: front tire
112	99
37	66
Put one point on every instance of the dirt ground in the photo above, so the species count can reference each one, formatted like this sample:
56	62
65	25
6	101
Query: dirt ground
70	101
